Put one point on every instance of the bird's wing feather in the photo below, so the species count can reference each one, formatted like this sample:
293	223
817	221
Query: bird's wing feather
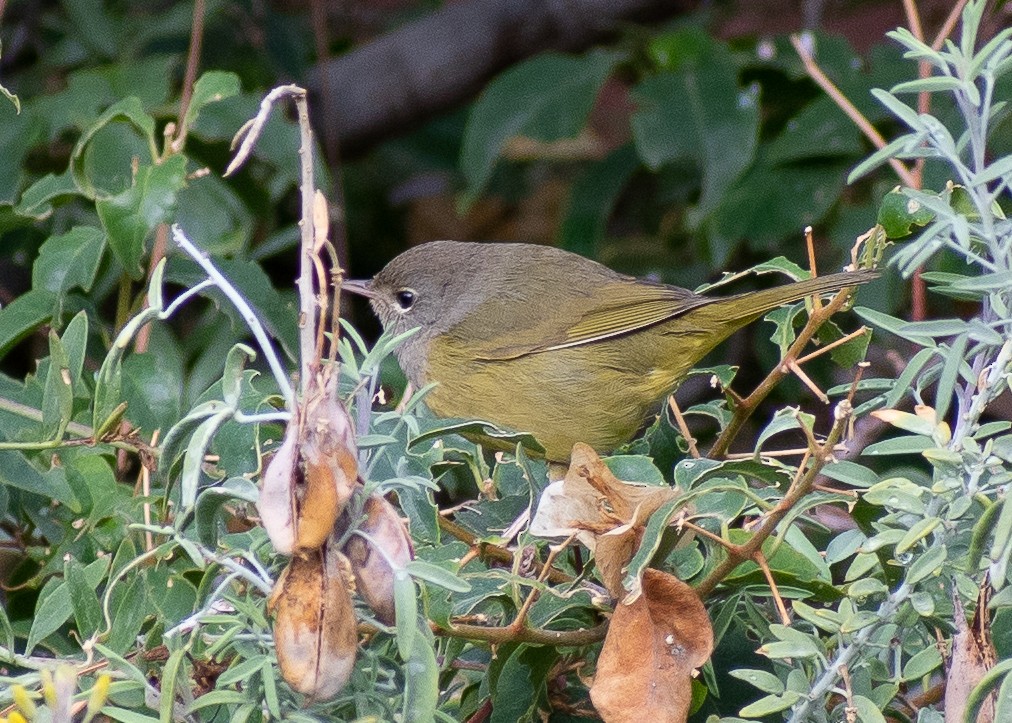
617	308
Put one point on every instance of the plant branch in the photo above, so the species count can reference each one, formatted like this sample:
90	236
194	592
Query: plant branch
534	636
749	404
488	551
823	81
740	553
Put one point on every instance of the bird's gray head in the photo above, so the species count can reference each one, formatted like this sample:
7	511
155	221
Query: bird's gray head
431	286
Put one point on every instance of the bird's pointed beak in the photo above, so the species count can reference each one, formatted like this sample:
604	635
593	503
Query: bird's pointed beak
361	287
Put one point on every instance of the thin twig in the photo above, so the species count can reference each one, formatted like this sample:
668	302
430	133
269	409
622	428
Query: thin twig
553	552
949	25
749	404
190	74
810	245
830	89
792	364
534	636
833	344
493	552
760	559
683	427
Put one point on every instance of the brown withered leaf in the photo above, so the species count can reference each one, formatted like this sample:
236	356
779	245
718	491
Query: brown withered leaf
374	576
653	645
315	632
591	501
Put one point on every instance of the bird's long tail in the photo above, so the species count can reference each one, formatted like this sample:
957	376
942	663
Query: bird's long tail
759	302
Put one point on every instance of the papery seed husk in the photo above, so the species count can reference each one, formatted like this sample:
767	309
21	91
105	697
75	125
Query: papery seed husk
315	632
374	576
277	494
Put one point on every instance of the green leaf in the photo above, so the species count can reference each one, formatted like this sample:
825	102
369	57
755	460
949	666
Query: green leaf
697	113
922	663
901	215
850	473
211	501
193	459
128	616
898	445
405	612
16	471
170	674
211	87
546	98
129	217
83	600
635	468
821	129
764	681
592	199
58	397
421	682
927	564
129	110
917	532
521	687
437	576
649	544
770	704
36	201
867	711
22	316
69	260
54	607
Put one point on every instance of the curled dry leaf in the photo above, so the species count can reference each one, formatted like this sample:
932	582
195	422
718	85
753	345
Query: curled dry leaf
307	484
315	633
374	575
591	501
653	645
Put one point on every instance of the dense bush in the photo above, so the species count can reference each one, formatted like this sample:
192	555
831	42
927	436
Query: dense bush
850	569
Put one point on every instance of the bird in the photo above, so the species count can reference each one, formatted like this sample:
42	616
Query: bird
537	339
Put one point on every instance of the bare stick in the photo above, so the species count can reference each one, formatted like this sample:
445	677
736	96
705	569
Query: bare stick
823	81
683	427
760	560
248	315
833	344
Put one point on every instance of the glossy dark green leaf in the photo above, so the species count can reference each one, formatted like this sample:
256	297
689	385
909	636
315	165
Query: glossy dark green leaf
23	315
129	217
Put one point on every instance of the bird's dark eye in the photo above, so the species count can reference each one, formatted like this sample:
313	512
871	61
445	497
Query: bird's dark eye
405	298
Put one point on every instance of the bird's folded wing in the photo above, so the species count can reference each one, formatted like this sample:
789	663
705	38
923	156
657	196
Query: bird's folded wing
614	309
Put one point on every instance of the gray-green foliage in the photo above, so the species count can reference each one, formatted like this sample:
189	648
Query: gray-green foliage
926	539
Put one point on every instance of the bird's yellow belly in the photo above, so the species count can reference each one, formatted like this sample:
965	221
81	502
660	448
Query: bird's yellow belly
599	394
